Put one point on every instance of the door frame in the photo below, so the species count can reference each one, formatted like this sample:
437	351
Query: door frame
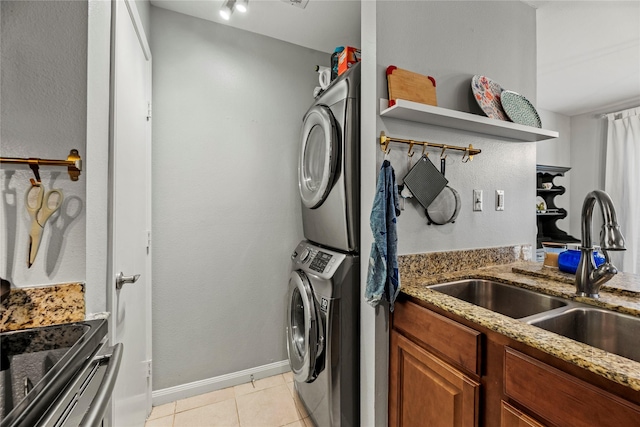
113	169
96	156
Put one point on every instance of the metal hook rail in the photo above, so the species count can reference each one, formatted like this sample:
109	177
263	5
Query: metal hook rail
469	151
73	164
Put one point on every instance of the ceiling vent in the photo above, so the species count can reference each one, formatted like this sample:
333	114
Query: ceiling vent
298	3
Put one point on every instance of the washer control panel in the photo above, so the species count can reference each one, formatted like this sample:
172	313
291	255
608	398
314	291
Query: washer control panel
319	260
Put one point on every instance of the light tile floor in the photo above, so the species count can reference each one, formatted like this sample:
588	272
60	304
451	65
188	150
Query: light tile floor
271	403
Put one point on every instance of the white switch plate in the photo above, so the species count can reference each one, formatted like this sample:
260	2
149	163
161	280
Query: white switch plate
499	200
477	200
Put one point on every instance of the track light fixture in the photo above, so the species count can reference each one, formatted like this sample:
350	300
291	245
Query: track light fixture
227	9
242	5
230	5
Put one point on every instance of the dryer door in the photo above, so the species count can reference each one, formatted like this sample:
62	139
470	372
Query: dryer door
302	328
318	156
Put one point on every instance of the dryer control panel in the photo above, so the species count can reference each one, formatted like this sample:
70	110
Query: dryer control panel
321	261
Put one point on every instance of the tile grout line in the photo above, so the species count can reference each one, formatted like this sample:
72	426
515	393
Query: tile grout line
235	400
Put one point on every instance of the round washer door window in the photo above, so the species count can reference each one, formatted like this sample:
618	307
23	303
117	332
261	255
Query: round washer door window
318	156
302	328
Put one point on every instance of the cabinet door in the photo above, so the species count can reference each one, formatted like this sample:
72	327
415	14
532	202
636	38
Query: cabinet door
426	391
511	417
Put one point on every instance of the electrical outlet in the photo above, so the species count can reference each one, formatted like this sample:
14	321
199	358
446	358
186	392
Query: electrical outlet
477	200
499	200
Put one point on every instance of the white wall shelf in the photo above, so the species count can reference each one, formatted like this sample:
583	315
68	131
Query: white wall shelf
438	116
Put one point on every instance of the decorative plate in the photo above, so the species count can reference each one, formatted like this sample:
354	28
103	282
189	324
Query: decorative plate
541	205
487	93
519	109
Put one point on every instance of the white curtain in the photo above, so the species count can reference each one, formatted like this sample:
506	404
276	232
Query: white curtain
622	181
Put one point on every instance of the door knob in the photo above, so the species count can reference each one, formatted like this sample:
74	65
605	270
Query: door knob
121	279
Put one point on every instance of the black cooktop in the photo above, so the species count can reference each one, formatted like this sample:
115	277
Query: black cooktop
35	361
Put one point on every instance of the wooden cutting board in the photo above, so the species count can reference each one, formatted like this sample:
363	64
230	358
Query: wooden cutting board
410	86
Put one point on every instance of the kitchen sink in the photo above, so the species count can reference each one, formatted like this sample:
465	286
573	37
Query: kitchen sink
604	329
607	330
505	299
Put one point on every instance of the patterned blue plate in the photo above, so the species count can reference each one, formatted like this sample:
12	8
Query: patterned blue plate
519	109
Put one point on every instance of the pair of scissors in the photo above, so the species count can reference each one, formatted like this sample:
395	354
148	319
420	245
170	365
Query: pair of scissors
41	205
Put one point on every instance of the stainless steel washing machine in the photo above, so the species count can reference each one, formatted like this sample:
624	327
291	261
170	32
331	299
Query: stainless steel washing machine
323	334
328	167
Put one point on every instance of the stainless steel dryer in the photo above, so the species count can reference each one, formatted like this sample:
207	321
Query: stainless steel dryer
328	168
323	334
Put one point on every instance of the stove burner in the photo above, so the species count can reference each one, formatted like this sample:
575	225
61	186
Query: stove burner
27	356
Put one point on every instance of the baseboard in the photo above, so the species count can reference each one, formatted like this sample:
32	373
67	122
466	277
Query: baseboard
171	394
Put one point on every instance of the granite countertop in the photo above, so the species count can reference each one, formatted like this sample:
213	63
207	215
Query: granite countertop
621	294
32	307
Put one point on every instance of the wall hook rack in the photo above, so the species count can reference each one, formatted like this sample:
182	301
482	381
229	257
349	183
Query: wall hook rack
468	152
73	163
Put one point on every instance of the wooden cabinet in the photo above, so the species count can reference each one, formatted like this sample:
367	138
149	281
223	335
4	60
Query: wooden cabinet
448	371
456	342
561	398
434	367
511	417
426	391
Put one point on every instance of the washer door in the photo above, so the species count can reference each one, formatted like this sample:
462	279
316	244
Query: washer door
302	328
318	156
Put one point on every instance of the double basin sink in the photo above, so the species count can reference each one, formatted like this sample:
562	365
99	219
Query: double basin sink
607	330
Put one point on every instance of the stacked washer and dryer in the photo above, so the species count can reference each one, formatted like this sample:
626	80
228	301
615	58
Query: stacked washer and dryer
323	319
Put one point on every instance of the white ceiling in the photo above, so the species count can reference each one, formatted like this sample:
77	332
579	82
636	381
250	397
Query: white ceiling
588	51
321	25
588	55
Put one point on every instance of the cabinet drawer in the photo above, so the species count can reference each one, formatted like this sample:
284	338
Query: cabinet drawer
511	417
451	339
561	398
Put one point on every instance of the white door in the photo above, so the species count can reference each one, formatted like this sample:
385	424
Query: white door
131	215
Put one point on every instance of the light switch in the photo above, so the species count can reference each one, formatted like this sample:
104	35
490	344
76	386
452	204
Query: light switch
499	200
477	200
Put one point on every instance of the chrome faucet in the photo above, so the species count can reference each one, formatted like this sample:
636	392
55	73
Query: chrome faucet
590	278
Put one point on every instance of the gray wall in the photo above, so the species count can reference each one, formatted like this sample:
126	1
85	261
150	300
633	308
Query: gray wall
588	157
228	107
452	41
43	113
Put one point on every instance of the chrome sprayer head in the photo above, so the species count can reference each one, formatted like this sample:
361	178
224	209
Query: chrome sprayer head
611	238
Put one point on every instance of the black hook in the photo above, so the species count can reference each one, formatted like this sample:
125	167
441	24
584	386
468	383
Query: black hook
36	171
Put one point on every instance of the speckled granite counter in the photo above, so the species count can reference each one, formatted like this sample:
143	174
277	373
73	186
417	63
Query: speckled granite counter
622	297
42	306
621	283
